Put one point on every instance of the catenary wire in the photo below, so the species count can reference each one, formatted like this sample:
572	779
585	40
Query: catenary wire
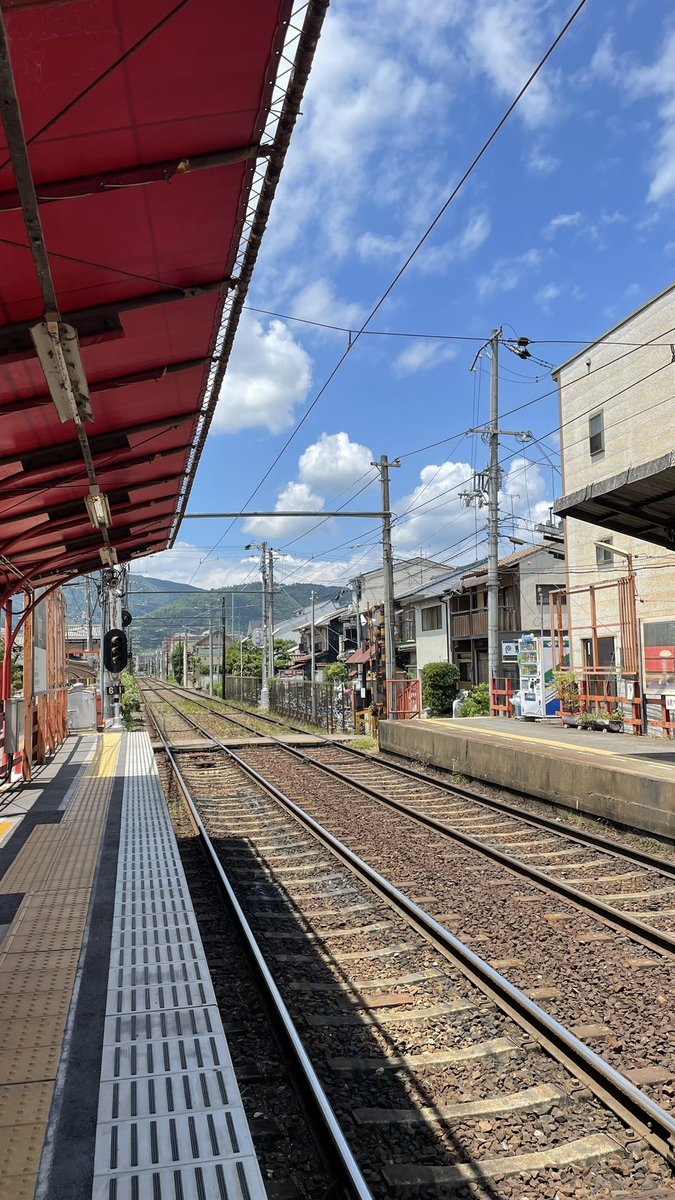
427	233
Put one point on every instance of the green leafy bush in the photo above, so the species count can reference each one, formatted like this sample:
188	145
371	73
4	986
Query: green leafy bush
478	703
567	684
131	700
336	673
440	684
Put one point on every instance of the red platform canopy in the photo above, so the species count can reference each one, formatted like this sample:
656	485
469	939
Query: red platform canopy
150	136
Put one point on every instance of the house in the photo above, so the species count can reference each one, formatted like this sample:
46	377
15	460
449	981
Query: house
617	423
334	637
446	621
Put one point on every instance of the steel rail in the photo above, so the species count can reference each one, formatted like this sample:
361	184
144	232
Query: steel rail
658	940
627	1101
332	1144
587	838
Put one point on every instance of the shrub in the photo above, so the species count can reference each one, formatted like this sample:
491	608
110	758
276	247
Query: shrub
440	684
336	673
478	703
568	689
131	700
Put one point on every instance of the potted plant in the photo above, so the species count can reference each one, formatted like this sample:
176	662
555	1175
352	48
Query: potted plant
568	690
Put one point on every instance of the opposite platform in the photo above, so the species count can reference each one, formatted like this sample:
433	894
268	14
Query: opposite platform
619	777
116	1076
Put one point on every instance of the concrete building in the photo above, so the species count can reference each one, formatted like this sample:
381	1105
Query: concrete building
446	620
617	424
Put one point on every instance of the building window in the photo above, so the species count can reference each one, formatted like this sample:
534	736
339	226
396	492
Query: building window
544	591
603	554
596	434
432	618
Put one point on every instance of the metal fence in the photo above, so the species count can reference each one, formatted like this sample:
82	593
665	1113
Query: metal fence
329	709
244	688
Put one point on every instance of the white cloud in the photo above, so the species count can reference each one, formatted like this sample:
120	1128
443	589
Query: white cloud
422	356
547	294
504	38
317	301
439	517
526	484
563	221
327	467
180	564
659	80
541	161
507	273
269	375
358	105
334	462
378	247
295	496
583	226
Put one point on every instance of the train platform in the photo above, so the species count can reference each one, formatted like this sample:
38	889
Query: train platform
116	1080
619	777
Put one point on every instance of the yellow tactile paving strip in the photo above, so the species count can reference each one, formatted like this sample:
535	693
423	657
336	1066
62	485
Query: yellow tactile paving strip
55	869
6	826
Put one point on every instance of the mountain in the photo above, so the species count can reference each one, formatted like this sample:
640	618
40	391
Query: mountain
155	615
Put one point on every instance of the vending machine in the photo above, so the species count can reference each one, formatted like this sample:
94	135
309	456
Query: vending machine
537	695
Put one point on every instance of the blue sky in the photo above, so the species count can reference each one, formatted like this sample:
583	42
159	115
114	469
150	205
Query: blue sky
564	228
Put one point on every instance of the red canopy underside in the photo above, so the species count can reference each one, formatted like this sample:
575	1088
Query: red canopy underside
199	85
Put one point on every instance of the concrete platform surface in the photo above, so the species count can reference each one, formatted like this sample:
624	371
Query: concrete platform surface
620	777
115	1074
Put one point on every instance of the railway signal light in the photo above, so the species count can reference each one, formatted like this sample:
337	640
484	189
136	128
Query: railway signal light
115	652
126	618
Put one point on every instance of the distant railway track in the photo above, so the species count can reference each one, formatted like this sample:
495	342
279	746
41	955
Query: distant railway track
504	835
419	1053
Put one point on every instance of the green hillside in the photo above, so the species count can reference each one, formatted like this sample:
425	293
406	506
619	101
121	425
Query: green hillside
155	615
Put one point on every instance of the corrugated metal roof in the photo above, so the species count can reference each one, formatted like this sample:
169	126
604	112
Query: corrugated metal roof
144	126
639	502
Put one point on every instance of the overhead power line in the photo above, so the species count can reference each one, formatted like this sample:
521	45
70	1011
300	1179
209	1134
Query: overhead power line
401	271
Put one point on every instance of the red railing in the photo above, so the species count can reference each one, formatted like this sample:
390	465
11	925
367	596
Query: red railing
501	698
404	698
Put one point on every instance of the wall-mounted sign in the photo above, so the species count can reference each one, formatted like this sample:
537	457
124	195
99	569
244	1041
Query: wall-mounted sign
509	651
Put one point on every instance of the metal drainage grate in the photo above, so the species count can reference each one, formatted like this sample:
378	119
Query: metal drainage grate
171	1125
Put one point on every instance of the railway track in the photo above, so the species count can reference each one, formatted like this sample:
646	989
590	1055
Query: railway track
431	1058
583	957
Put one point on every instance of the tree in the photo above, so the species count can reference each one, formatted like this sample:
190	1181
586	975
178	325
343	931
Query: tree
282	657
336	673
440	684
245	660
177	663
17	668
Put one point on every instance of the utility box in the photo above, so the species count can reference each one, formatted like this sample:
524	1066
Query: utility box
81	707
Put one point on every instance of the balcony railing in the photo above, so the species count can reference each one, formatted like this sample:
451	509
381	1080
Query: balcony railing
475	624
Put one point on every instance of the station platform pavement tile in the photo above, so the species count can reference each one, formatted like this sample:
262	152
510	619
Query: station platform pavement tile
52	872
162	1079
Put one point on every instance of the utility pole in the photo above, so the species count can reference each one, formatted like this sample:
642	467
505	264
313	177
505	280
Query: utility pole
185	660
87	593
271	612
312	650
223	648
264	692
101	665
210	649
493	513
388	564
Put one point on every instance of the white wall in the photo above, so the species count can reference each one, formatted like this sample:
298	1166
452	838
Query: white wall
632	385
432	644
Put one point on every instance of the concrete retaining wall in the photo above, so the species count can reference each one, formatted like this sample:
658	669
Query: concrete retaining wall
600	787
